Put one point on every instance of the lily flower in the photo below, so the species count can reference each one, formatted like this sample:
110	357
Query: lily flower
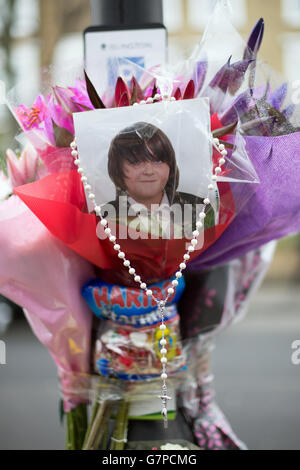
230	76
62	106
239	106
30	118
136	91
36	121
189	91
24	169
122	93
80	95
254	40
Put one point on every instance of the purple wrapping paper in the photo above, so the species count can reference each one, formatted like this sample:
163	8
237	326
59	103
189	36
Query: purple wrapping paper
273	211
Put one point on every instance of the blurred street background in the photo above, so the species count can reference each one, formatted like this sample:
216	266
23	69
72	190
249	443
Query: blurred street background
258	387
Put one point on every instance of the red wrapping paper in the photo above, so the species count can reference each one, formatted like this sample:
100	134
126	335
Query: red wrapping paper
58	200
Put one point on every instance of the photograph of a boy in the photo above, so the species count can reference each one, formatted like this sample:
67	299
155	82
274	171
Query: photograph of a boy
142	165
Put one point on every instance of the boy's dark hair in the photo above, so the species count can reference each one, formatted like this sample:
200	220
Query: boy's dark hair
142	142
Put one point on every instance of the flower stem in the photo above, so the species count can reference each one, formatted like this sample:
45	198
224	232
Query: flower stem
93	416
104	425
99	419
76	427
95	426
105	437
118	440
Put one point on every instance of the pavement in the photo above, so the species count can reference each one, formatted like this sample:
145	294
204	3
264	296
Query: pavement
258	387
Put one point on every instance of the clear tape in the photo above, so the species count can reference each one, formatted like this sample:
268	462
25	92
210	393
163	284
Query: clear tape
121	440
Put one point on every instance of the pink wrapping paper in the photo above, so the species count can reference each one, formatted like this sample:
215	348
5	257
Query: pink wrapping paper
45	277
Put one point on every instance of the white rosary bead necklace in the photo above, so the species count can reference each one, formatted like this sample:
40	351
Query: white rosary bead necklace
161	304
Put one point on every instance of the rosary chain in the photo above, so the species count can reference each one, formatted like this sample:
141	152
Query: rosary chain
193	242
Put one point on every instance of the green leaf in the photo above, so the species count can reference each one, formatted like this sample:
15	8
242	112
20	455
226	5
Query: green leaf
61	411
76	427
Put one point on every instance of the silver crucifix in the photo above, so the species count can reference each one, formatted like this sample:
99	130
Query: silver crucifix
164	397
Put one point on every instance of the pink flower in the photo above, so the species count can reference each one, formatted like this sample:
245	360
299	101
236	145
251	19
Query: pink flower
24	169
37	120
66	101
32	117
80	94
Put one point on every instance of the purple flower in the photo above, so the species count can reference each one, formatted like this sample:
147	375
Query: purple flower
254	40
276	98
230	76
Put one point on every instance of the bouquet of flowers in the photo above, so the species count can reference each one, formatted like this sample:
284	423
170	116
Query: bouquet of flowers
150	207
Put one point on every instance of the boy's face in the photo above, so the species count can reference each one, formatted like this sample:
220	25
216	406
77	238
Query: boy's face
146	181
